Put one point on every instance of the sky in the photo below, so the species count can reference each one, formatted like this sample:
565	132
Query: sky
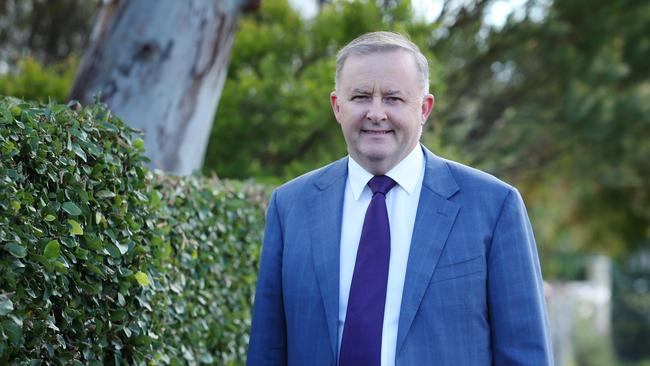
429	9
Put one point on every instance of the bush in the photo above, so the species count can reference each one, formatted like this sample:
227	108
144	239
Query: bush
213	231
34	81
105	262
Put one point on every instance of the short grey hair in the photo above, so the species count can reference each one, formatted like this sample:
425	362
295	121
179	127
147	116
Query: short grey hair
376	42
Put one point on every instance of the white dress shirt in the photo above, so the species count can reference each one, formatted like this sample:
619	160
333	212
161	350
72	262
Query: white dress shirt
402	204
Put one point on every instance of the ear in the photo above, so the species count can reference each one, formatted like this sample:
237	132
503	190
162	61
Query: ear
427	106
335	106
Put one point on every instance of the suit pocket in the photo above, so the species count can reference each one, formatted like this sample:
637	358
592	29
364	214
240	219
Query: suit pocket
459	269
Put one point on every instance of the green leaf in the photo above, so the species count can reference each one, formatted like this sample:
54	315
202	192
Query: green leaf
45	263
93	242
104	194
110	127
81	253
119	315
155	198
13	331
122	247
120	299
6	306
113	250
52	250
71	208
61	267
16	250
98	217
16	111
139	144
83	195
15	205
142	278
69	242
93	268
59	108
50	218
75	228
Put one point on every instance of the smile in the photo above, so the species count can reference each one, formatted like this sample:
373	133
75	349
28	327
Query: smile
376	132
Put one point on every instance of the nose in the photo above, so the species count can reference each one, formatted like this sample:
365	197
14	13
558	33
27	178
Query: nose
376	112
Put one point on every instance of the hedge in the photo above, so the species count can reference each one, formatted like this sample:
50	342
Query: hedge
103	261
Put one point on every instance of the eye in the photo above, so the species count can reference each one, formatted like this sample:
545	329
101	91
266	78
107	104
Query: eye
359	97
393	100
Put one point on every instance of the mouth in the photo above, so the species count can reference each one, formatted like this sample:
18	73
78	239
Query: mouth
377	132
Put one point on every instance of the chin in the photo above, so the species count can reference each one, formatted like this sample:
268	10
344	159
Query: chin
376	152
374	156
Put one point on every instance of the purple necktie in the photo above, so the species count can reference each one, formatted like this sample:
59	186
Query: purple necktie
361	343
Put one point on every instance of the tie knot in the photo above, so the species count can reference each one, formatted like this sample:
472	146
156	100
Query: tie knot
381	184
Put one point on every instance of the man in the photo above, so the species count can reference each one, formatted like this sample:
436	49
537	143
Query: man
392	255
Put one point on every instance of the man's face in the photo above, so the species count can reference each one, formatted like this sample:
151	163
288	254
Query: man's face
380	107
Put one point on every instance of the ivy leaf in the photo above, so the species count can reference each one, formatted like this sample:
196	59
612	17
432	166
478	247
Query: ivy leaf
71	208
52	250
142	278
75	228
16	250
49	218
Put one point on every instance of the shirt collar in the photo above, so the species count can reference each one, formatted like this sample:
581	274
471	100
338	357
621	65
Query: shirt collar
406	173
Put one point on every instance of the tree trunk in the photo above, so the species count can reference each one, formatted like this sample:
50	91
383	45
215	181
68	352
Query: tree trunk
160	65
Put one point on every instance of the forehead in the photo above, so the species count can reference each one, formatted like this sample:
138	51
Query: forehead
394	70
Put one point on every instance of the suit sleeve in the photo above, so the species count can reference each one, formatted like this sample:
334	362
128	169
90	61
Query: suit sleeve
518	318
268	343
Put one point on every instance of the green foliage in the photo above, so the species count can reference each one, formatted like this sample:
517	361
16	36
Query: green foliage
556	104
68	255
105	262
274	117
33	81
49	31
209	234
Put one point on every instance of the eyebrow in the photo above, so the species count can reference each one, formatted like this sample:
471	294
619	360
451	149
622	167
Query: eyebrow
360	91
366	91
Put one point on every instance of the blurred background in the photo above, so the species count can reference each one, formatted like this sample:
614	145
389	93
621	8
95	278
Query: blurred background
551	96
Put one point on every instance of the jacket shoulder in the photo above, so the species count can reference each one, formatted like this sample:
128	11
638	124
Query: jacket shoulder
314	179
479	184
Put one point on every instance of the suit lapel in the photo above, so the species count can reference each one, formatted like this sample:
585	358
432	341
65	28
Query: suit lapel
325	217
433	222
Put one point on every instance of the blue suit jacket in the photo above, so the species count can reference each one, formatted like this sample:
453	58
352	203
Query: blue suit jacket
473	291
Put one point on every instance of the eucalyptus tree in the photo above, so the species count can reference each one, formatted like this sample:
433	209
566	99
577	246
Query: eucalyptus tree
160	65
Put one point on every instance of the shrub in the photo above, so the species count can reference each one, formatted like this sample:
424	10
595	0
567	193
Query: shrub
213	231
34	81
105	262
